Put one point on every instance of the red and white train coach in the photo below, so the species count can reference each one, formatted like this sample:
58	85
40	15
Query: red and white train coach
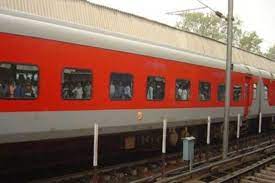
57	79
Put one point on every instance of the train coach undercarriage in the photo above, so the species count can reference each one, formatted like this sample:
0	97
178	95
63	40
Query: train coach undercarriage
51	155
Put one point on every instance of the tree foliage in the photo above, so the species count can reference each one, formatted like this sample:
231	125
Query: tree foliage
271	53
209	25
250	41
203	24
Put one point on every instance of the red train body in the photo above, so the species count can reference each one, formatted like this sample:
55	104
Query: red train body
52	47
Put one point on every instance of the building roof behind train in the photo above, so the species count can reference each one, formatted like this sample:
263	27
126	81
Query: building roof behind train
89	14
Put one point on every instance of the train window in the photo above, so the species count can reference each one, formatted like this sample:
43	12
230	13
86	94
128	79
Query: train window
221	92
237	92
121	86
204	91
155	88
18	81
265	92
76	84
182	89
254	91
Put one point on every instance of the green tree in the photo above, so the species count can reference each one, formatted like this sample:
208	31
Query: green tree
250	41
271	53
209	25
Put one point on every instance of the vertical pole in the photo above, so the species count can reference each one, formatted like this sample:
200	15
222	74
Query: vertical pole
208	137
238	131
95	144
260	123
228	79
164	136
95	178
238	126
190	161
208	130
164	131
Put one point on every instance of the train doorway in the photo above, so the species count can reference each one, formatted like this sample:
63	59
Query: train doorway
247	95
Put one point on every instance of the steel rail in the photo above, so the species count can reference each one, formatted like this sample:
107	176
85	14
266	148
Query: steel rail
243	171
215	164
215	158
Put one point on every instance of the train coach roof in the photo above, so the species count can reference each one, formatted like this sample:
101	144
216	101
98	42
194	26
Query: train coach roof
85	13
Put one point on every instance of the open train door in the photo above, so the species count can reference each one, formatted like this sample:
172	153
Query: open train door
247	95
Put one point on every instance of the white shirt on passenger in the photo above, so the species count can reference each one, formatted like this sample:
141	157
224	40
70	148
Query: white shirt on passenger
179	93
112	90
150	93
127	91
184	95
78	92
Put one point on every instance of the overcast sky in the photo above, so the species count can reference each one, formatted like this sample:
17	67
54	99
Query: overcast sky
257	15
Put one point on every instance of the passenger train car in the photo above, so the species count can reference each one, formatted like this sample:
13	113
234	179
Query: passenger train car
57	79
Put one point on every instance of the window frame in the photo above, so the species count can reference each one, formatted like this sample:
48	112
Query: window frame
189	94
210	91
72	99
241	93
38	83
221	84
146	88
110	80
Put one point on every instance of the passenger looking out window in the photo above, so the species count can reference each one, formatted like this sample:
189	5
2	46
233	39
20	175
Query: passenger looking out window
182	89
237	92
128	91
3	88
29	91
121	86
204	91
155	88
112	89
87	89
12	88
78	91
76	84
150	91
18	81
221	92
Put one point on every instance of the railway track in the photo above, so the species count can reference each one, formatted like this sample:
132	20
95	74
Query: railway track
149	169
264	173
221	171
